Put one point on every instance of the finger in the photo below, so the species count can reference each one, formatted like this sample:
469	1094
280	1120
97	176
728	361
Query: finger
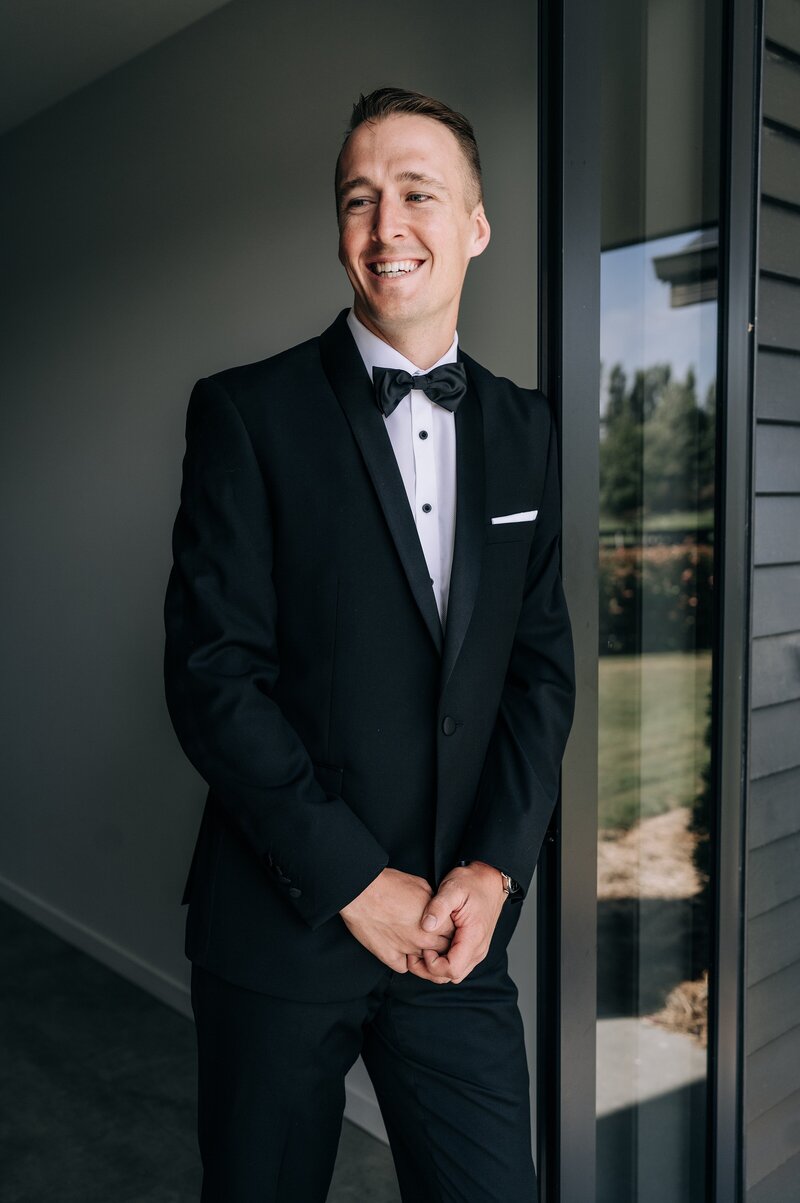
434	939
395	960
415	942
443	972
419	969
435	943
437	914
438	967
466	951
461	959
417	966
462	966
447	929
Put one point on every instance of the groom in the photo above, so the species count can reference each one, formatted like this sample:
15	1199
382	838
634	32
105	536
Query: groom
369	661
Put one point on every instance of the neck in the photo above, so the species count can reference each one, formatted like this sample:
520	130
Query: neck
422	346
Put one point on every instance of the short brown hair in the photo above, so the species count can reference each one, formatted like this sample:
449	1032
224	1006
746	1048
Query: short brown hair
386	102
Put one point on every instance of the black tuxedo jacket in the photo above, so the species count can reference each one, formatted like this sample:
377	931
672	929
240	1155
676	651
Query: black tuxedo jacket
307	675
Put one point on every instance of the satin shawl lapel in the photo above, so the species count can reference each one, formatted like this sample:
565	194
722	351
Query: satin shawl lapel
468	549
348	377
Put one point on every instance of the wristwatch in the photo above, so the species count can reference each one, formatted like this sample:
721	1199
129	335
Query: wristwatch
509	885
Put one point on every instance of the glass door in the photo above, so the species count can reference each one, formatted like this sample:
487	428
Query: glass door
650	138
660	173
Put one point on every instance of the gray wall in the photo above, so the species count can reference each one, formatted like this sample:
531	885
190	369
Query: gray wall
772	1082
167	221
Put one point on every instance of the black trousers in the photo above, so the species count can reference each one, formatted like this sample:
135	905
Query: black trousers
447	1063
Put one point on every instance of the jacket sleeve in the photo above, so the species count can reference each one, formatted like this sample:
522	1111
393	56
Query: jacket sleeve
519	784
221	665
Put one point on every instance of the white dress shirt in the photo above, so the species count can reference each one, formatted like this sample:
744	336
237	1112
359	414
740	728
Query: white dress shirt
423	438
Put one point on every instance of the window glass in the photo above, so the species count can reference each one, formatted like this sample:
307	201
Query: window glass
657	416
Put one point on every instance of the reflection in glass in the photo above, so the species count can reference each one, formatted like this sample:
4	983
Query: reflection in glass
656	570
660	157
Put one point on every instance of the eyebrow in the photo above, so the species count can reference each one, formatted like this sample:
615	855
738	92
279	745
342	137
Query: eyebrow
402	177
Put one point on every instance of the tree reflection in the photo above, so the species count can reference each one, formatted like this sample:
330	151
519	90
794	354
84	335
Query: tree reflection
656	581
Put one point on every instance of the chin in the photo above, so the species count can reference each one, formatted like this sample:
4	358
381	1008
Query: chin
407	308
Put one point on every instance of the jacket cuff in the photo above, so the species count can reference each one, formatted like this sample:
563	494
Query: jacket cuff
344	863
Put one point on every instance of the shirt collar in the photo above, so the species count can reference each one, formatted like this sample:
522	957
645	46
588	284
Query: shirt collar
378	354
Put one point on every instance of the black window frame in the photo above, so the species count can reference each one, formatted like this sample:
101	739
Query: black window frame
570	31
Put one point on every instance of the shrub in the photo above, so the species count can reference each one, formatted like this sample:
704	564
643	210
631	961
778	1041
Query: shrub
656	598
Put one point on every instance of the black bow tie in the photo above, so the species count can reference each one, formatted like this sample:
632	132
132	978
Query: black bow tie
445	385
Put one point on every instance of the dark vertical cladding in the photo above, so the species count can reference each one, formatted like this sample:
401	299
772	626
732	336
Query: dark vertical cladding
772	1004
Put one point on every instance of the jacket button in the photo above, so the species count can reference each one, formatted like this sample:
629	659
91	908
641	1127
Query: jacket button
294	892
449	725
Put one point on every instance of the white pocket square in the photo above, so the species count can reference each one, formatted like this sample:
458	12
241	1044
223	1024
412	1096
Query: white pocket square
522	516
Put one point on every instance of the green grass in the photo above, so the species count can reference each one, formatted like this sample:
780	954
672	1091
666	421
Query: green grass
653	717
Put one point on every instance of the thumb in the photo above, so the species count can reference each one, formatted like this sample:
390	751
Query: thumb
440	907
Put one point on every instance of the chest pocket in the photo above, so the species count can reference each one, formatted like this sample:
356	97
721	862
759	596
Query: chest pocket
510	532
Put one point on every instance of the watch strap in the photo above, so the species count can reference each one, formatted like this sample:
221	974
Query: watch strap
509	885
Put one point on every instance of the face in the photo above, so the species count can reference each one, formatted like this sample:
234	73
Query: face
406	234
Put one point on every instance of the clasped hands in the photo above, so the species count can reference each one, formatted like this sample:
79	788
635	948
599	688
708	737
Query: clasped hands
441	936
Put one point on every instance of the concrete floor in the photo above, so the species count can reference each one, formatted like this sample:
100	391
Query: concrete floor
97	1093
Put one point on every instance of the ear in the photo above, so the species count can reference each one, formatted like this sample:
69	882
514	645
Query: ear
481	232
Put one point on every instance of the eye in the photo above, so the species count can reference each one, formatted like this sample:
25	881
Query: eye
419	196
357	202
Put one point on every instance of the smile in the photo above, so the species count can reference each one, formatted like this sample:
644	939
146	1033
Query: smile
402	267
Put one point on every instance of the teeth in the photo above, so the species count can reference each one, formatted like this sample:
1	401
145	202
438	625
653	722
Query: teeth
395	269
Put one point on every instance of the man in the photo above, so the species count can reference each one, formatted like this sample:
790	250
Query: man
369	661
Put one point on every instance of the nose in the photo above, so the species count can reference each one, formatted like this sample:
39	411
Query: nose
389	220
